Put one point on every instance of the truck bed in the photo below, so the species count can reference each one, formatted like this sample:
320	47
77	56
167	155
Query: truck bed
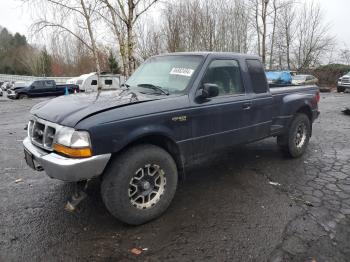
292	89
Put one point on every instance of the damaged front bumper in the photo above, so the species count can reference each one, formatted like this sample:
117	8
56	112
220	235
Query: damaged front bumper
63	168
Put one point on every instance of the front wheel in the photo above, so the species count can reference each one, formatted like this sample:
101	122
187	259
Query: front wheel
139	184
296	140
22	96
340	89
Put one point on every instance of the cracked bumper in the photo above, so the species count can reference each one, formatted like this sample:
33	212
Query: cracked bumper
63	168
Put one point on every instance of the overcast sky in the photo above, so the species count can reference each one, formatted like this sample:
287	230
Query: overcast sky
337	12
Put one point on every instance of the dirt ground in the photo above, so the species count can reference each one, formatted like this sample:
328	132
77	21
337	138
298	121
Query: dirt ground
225	210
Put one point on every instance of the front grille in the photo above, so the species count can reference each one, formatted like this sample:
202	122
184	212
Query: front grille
42	133
346	80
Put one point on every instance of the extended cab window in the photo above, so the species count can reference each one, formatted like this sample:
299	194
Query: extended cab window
225	74
257	76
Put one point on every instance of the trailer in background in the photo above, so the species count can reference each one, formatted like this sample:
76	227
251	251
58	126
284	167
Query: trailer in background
88	82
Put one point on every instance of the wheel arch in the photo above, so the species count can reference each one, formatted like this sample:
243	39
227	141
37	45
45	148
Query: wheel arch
305	109
162	141
21	93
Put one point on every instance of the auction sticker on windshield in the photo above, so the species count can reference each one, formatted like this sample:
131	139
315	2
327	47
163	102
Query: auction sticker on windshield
182	71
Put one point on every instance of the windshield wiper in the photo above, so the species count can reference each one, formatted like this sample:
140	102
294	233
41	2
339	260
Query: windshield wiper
154	87
125	85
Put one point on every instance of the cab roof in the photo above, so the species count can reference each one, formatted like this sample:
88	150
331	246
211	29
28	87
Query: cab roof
206	53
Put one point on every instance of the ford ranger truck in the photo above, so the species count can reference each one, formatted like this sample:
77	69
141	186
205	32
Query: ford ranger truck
175	108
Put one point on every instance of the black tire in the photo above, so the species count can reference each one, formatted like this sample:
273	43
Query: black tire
22	96
294	143
118	177
340	89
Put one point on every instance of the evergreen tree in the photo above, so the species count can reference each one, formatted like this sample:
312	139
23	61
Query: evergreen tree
45	62
12	50
113	63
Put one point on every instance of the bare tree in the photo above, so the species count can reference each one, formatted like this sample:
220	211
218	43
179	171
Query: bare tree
344	55
274	19
173	29
150	41
31	61
61	15
260	21
128	12
113	20
284	34
264	6
312	36
207	25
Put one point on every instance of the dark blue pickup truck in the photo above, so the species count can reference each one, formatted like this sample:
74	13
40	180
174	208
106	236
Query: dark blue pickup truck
41	88
174	108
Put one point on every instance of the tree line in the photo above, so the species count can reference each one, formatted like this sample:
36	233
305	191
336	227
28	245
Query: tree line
94	35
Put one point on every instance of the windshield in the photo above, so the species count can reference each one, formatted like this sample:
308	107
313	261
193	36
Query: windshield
299	77
171	74
348	74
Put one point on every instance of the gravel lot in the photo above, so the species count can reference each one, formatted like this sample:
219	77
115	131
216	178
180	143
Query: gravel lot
225	210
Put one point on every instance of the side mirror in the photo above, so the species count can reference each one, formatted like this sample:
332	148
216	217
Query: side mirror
208	90
32	87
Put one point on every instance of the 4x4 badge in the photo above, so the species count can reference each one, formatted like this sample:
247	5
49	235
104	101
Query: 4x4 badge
179	118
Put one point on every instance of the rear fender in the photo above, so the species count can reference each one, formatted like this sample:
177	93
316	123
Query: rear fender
293	104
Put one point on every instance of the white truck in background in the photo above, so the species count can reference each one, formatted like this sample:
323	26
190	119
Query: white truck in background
343	84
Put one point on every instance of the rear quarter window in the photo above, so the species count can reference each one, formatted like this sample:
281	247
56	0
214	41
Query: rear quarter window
49	83
257	76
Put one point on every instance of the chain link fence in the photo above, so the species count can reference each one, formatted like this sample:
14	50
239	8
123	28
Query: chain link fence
21	78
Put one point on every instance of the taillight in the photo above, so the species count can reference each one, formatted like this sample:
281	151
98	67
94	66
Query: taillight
318	97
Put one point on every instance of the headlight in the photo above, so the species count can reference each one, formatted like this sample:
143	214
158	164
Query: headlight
73	143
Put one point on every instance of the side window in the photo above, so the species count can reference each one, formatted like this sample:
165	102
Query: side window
38	84
49	84
225	74
94	82
257	76
108	82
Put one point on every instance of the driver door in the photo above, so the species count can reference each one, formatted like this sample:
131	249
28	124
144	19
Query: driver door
36	88
221	121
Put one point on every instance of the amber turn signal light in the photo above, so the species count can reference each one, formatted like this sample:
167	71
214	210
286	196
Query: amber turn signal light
73	152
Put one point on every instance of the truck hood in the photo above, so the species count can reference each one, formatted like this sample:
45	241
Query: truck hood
68	110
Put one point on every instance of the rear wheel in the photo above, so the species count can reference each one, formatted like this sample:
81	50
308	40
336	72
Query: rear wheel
295	142
139	185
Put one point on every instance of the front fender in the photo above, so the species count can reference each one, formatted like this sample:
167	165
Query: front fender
142	132
114	137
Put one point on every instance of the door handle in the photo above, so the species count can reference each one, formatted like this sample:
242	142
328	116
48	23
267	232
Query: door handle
247	105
